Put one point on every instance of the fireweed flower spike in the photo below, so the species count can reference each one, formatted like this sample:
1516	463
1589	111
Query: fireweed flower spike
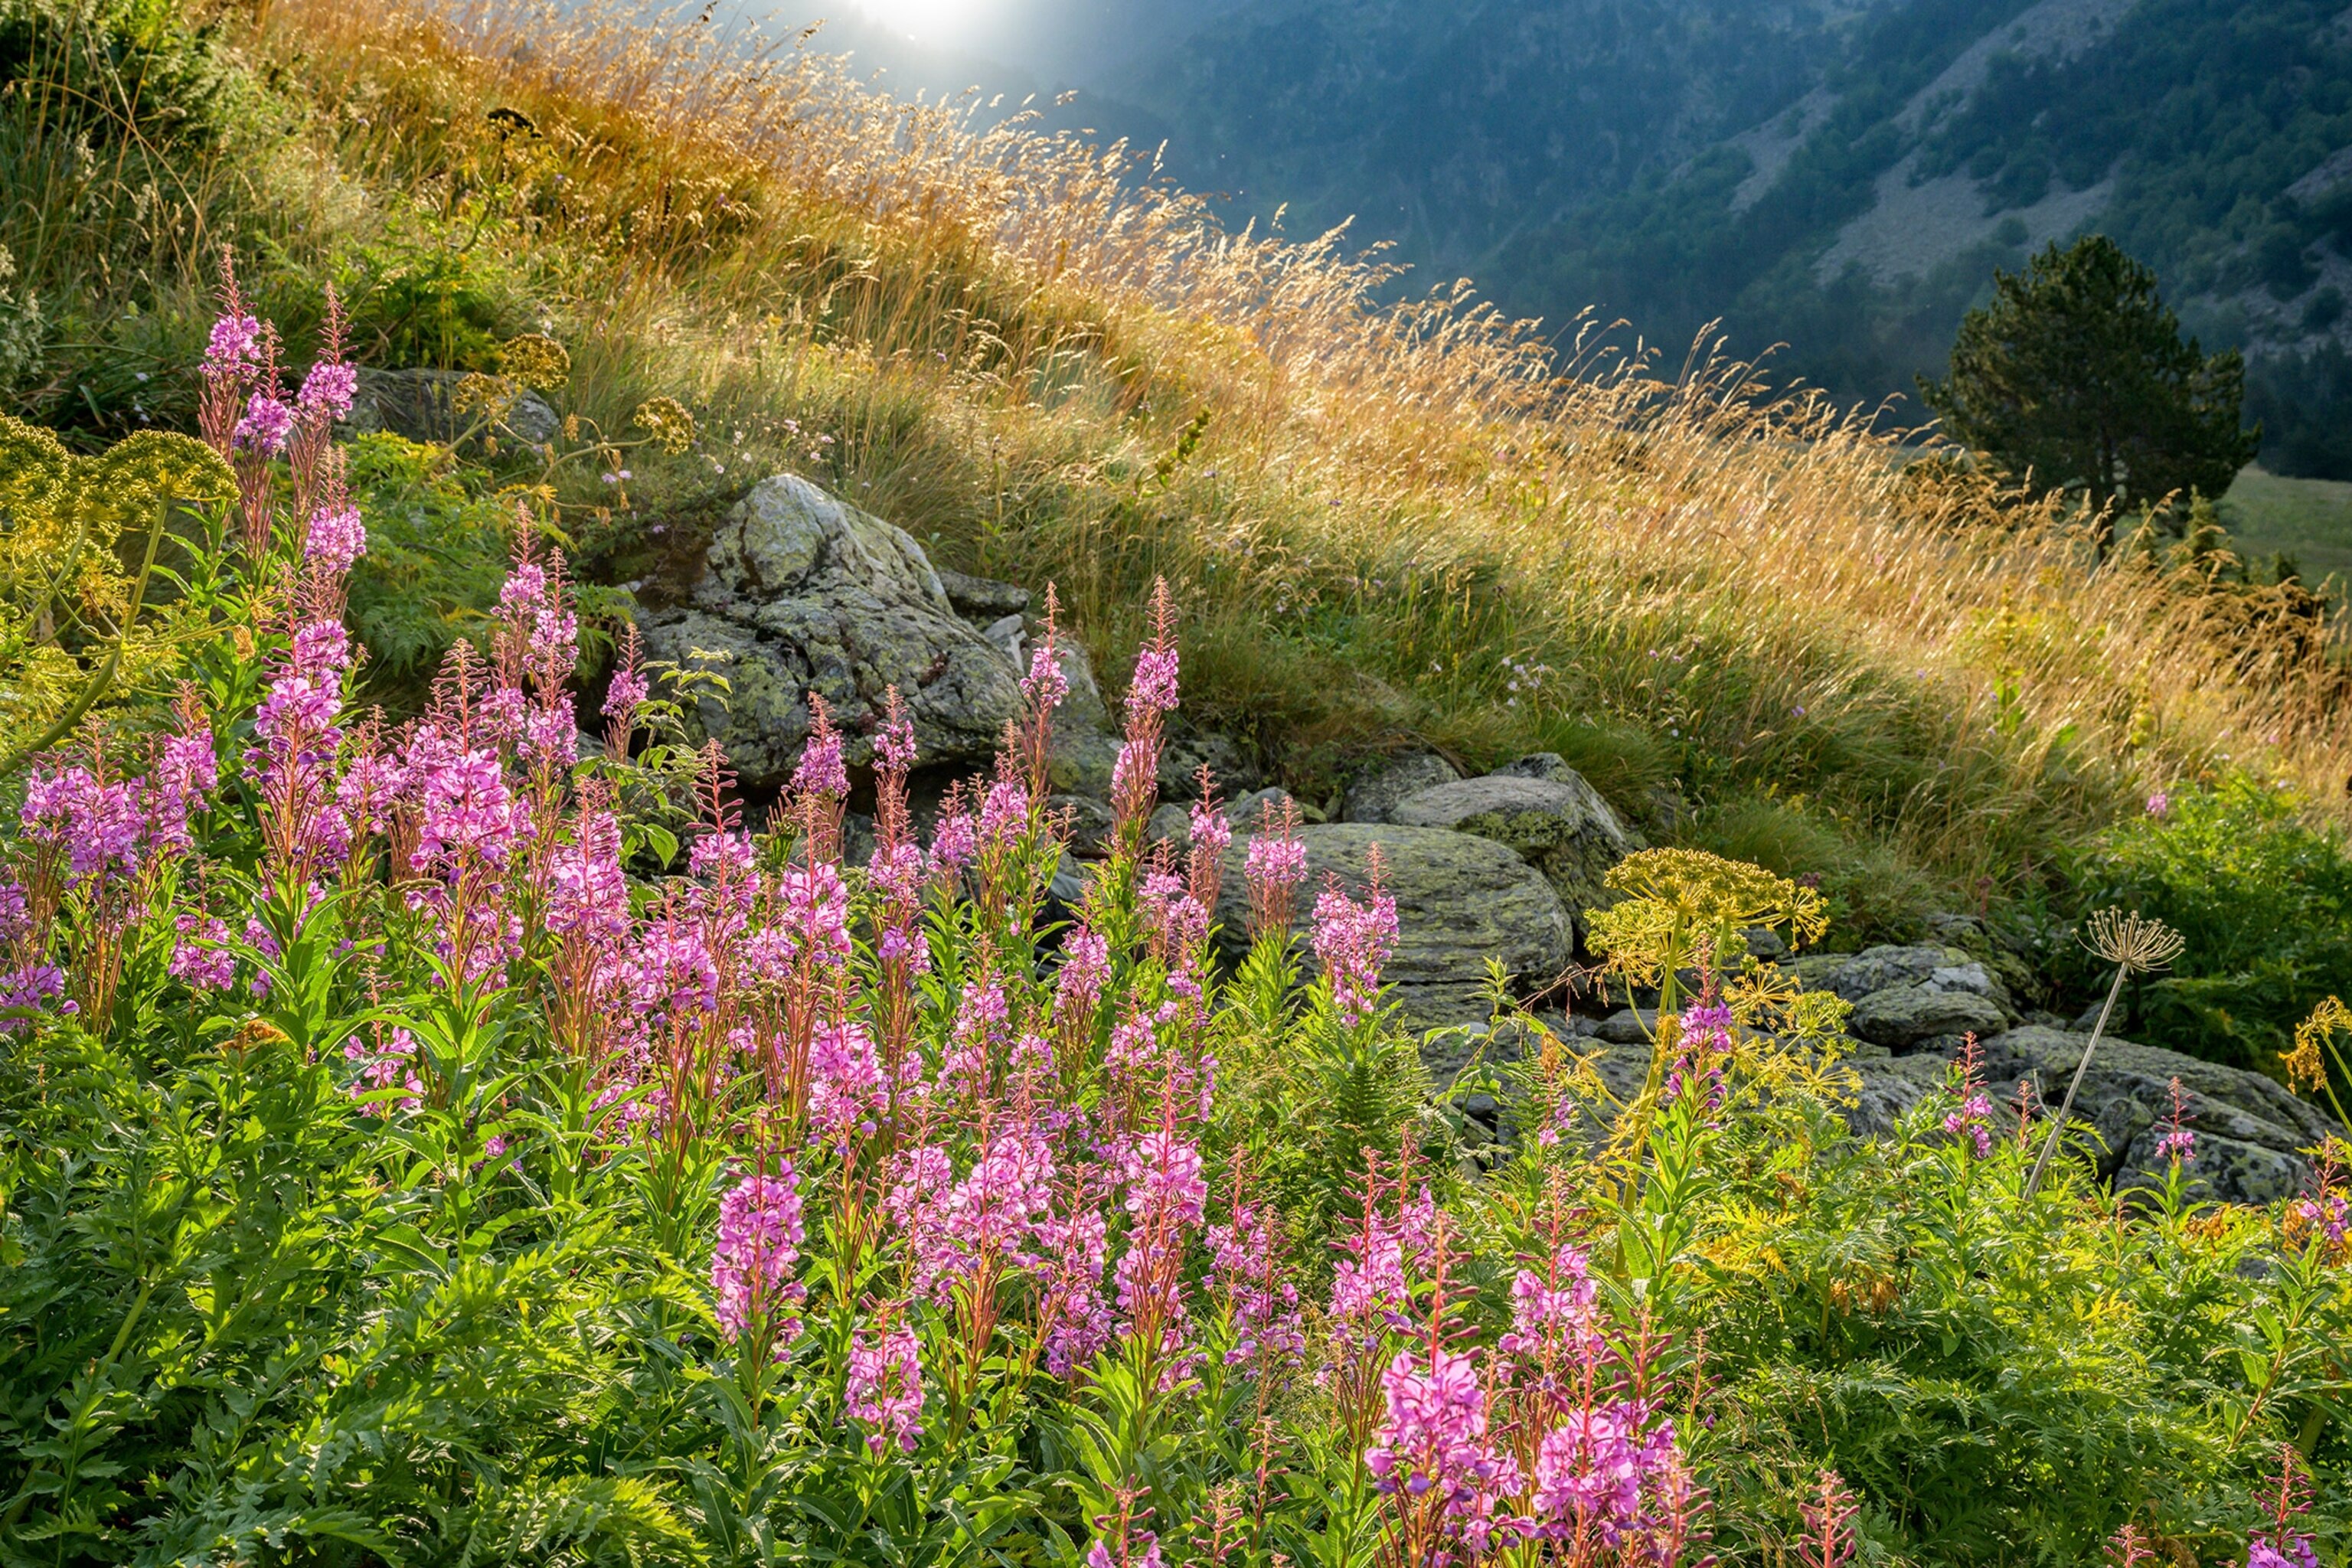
759	1236
1973	1118
1273	866
2135	945
2179	1143
1829	1540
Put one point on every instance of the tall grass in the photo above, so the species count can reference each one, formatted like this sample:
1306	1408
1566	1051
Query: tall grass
1390	521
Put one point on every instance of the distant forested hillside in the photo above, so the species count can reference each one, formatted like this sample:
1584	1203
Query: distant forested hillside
1841	176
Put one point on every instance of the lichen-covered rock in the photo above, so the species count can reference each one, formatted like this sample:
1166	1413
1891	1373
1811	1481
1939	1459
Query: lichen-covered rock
982	600
1888	1087
2250	1130
1563	828
803	593
1903	1016
1855	975
1371	798
1460	900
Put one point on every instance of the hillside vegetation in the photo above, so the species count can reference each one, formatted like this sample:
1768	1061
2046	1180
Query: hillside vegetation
1841	179
434	1135
1749	621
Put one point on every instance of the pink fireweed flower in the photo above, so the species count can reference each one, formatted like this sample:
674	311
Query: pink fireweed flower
266	426
337	536
1139	1549
2179	1142
625	695
1548	1312
846	1087
328	391
726	856
1164	1184
468	813
1085	970
1593	1469
669	968
1072	1315
99	826
1973	1118
26	991
816	912
821	771
2298	1553
232	348
894	743
1178	921
1212	831
983	1221
1433	1439
955	840
2159	804
392	1064
1273	866
1045	685
1369	1294
1705	1039
1154	693
759	1236
201	958
1262	1306
587	892
885	1390
1353	942
2330	1213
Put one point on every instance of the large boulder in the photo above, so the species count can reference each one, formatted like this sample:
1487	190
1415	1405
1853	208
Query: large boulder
2250	1130
1560	826
802	592
1460	900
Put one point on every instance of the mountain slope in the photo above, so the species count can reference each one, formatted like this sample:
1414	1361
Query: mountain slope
1842	178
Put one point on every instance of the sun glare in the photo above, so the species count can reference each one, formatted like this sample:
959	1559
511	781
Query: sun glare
932	21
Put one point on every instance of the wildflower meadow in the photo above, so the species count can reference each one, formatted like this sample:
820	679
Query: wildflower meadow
492	1138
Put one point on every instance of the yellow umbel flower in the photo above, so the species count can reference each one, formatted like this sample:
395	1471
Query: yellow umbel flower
535	361
668	422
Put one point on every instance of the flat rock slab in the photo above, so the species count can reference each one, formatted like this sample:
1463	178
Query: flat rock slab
1903	1016
1562	827
805	593
1460	900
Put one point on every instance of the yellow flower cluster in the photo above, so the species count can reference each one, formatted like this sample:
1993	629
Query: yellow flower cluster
64	590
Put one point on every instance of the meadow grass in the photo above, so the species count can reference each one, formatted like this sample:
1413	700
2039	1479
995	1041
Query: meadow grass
1391	524
2309	520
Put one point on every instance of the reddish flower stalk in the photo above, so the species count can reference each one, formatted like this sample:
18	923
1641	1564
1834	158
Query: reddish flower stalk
1829	1540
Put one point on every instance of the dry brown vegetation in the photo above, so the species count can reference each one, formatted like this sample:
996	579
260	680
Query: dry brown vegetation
1388	520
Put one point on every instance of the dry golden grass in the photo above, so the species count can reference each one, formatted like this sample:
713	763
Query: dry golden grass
1391	511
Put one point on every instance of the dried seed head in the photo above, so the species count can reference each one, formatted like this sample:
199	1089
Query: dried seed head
2132	942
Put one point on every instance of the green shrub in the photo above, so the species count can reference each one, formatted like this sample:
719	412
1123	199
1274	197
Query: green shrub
2264	900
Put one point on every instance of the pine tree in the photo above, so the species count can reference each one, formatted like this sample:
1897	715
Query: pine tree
2076	377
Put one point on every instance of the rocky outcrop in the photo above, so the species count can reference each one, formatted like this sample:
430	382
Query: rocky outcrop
1560	826
2250	1130
801	591
1373	797
1460	900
